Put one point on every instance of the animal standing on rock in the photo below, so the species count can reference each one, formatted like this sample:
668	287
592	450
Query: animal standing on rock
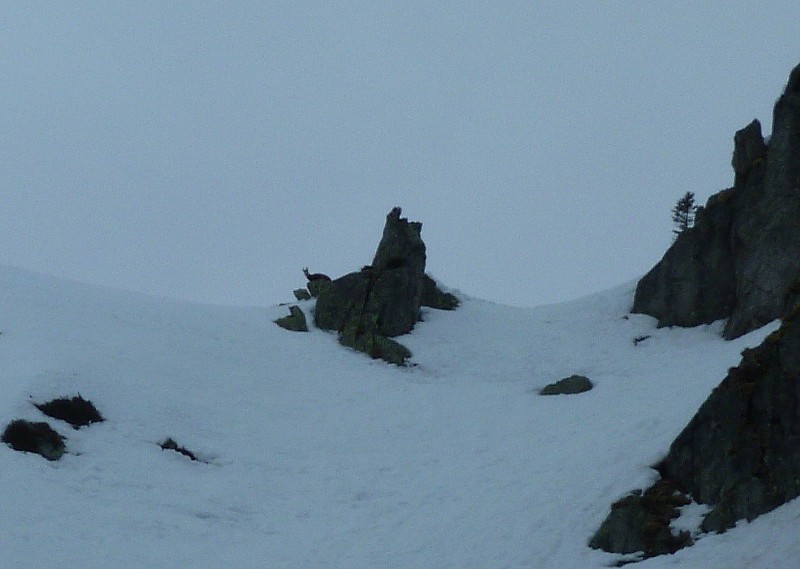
315	281
315	276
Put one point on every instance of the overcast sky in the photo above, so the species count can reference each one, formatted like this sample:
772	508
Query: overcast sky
208	151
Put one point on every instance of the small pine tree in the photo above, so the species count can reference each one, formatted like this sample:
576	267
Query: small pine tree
683	213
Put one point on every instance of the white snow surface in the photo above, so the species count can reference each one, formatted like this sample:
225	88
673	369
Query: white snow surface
316	456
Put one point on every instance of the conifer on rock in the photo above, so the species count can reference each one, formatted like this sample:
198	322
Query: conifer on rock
683	213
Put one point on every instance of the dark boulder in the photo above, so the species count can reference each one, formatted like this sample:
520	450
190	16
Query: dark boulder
640	522
382	300
568	386
301	294
740	454
295	321
740	258
76	411
38	438
434	297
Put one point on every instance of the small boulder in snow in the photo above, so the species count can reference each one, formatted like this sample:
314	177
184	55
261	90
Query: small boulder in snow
568	386
640	522
301	294
296	321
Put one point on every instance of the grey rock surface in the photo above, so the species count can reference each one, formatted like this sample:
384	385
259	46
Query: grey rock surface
743	253
741	451
740	454
640	522
568	386
295	321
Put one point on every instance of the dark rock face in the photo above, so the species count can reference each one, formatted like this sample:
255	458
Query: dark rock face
295	322
38	438
741	256
568	386
640	522
382	300
741	451
740	454
433	297
77	411
301	294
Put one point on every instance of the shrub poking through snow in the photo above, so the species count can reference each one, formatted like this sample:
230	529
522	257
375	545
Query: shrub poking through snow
77	411
170	444
39	438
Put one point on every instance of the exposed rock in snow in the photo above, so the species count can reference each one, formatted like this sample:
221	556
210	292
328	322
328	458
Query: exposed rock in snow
740	258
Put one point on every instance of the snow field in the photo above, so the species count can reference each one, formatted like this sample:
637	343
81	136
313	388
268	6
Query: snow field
317	457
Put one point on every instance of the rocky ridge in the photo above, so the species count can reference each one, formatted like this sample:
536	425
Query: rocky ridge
740	454
741	257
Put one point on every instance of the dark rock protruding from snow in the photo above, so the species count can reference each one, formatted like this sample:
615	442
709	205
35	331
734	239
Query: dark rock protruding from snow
741	451
382	300
301	294
295	321
170	444
741	256
740	454
568	386
640	522
38	438
77	411
434	297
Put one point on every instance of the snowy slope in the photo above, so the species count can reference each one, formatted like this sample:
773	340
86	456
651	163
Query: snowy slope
317	457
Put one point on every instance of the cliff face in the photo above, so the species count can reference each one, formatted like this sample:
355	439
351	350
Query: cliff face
743	254
740	454
741	451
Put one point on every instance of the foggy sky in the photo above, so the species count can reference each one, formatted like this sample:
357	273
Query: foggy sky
210	150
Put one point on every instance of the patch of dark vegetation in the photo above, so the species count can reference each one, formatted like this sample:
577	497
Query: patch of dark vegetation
78	412
170	444
38	438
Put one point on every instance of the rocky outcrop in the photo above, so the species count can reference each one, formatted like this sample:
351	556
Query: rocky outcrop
640	522
568	386
741	451
434	297
295	321
301	294
740	258
740	454
382	300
